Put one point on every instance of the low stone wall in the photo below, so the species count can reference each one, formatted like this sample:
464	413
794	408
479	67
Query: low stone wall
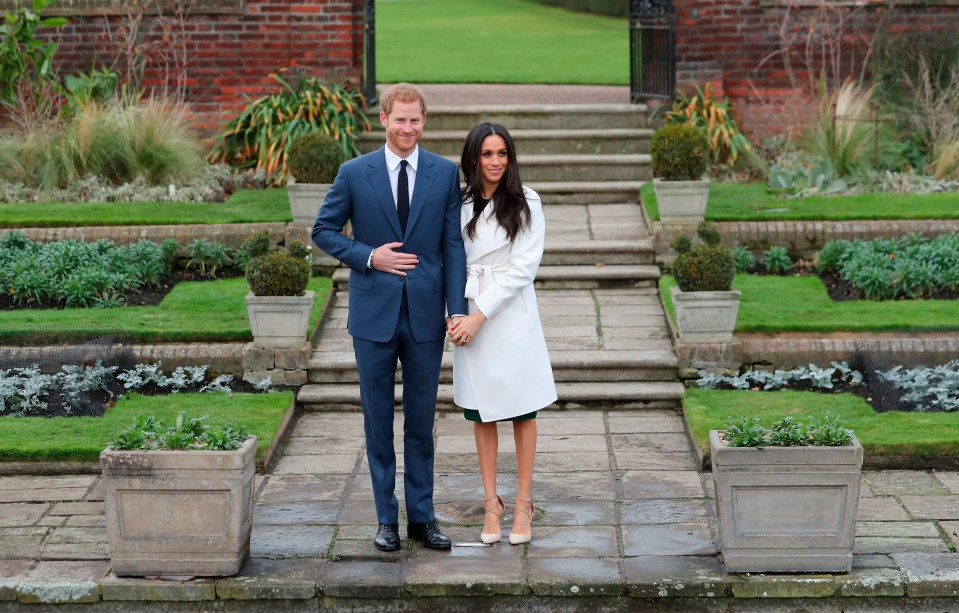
803	239
287	366
231	234
221	357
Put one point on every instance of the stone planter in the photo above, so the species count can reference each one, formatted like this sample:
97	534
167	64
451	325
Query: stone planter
705	317
305	201
179	512
681	202
786	509
279	321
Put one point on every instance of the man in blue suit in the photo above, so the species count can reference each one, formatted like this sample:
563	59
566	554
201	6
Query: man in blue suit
408	271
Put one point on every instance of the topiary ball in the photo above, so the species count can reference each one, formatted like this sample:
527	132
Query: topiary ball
680	152
314	157
278	274
705	269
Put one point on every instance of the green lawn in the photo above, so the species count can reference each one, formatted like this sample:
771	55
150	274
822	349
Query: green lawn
751	202
801	304
245	206
81	439
888	439
212	311
498	41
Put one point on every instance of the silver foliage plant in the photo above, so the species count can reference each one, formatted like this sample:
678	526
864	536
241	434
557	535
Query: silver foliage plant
927	389
819	378
24	391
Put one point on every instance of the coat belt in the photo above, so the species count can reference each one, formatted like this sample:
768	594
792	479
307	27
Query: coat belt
474	272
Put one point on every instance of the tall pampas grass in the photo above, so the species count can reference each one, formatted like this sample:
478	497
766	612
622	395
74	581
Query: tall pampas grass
846	133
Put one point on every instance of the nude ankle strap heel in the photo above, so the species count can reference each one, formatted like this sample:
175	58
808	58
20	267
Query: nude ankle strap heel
490	538
519	539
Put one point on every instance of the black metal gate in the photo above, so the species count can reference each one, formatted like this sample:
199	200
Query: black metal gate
652	49
369	48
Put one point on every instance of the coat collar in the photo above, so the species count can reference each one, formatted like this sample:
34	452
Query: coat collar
489	235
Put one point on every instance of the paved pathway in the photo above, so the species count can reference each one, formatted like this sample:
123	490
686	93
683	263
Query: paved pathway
622	510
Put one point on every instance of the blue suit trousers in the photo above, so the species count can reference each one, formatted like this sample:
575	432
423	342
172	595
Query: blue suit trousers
376	364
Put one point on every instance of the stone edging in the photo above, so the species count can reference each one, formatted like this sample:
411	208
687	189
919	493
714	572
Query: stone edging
232	234
912	582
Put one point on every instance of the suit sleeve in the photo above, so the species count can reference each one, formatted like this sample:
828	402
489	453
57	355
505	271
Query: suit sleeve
526	252
337	209
454	253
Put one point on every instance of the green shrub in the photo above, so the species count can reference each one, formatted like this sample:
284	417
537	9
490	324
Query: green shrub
680	152
831	255
278	274
147	433
777	260
824	431
314	158
706	266
255	245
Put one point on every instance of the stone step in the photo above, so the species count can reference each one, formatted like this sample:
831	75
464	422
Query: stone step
597	395
586	192
562	252
568	366
572	168
571	277
528	142
536	117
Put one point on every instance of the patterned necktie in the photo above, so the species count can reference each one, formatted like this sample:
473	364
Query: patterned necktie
403	195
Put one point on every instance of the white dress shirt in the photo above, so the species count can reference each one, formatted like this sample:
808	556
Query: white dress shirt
393	168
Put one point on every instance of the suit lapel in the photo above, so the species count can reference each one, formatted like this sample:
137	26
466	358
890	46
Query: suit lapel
421	190
380	182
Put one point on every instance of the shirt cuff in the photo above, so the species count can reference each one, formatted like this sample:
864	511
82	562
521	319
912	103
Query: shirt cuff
369	260
457	315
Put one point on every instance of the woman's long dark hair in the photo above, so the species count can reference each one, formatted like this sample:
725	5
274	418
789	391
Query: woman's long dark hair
510	206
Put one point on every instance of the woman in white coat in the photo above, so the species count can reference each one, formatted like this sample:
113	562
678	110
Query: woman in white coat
501	369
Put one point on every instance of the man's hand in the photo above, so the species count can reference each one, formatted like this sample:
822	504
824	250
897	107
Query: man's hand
394	262
463	329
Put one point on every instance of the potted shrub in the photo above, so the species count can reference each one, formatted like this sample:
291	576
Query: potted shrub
680	157
313	161
179	499
704	301
787	497
278	304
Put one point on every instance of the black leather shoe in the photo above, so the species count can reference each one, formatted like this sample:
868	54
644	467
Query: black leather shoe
387	537
429	534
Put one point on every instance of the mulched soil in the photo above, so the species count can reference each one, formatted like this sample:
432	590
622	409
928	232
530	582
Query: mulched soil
148	296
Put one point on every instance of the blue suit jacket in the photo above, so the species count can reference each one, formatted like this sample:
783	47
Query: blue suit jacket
361	194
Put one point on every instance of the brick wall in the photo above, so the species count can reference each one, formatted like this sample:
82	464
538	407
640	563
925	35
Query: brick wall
232	46
737	45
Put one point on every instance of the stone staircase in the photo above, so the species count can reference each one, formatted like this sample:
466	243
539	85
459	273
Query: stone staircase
604	323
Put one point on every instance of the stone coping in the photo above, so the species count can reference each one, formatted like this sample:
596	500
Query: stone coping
445	581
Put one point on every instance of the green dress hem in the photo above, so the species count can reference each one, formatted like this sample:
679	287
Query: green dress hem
472	415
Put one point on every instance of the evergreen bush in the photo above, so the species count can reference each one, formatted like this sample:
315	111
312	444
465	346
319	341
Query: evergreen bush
680	152
314	158
278	273
704	267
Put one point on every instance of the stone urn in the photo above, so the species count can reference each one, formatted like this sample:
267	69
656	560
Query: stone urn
179	512
681	202
305	201
786	509
705	317
279	321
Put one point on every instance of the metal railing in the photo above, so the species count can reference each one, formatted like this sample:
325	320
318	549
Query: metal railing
652	49
369	50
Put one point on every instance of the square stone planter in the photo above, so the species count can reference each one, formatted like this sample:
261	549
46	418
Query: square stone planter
179	512
279	321
786	509
305	201
681	202
705	317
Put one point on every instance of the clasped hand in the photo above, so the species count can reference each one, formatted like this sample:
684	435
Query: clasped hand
463	329
385	259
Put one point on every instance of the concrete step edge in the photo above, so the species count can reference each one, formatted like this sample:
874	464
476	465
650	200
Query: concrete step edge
584	360
571	272
603	159
530	133
319	393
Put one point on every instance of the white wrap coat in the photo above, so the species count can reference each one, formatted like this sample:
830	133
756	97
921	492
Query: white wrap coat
504	371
